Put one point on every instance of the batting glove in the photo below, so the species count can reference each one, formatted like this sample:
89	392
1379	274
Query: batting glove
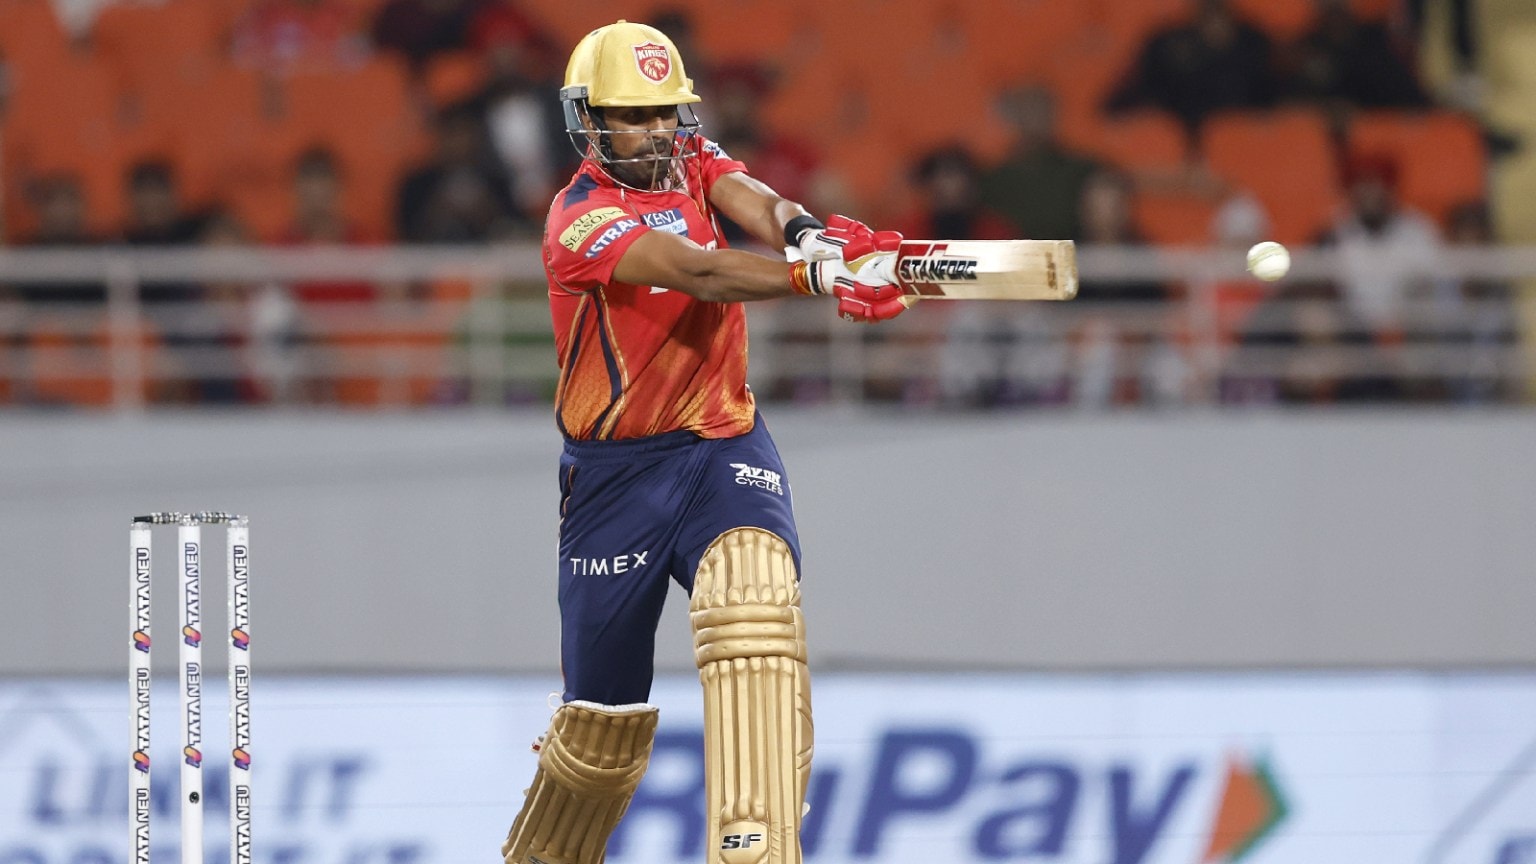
809	240
864	284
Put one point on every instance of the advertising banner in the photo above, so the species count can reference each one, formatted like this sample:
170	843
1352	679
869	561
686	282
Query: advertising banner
1143	769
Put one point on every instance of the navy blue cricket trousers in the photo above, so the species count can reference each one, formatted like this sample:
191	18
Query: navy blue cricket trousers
635	515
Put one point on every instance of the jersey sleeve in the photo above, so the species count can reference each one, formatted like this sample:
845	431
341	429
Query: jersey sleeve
584	242
714	163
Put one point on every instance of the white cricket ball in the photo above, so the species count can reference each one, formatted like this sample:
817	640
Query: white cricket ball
1268	260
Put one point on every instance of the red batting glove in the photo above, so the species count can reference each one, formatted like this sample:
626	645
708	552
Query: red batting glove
872	294
831	242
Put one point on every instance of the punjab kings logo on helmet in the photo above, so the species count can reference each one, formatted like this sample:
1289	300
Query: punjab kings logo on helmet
654	61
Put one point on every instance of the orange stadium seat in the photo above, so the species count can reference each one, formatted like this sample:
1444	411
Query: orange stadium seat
1441	155
1129	23
760	30
29	28
1143	139
1174	219
63	118
914	110
1283	20
1084	76
367	118
454	76
568	21
210	156
225	14
1010	42
145	41
1286	159
32	42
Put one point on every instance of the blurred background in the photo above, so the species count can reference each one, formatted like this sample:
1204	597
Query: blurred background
1193	568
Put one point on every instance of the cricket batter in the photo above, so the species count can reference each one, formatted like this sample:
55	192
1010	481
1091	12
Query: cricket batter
668	472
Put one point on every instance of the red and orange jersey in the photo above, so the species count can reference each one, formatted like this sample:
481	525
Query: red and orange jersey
637	360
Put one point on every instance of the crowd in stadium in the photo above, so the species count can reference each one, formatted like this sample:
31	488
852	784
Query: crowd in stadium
223	123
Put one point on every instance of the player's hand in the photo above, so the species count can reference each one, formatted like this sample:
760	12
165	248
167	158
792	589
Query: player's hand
872	293
831	241
864	285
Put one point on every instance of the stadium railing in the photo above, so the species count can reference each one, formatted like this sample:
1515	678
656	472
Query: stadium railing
470	326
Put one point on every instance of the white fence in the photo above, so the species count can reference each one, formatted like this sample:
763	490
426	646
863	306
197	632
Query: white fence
470	325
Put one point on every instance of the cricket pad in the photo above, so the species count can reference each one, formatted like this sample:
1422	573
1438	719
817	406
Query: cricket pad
590	762
749	642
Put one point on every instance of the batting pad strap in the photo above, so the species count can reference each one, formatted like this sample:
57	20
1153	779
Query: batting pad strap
747	630
590	762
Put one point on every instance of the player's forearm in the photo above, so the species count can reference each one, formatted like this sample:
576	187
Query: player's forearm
667	260
783	211
754	206
733	276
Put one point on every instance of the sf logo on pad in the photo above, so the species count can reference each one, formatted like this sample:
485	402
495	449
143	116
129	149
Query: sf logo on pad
740	841
743	842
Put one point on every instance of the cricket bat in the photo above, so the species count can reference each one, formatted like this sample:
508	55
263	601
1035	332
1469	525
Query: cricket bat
987	270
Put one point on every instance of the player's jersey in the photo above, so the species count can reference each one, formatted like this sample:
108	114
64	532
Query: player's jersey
636	360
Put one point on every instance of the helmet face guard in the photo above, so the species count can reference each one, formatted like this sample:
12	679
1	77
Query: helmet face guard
588	130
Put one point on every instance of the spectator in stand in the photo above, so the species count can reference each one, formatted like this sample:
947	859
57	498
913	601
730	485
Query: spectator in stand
1216	309
156	218
282	35
1105	218
420	29
972	368
461	195
353	329
155	213
1038	185
60	211
1467	89
1478	320
1383	247
1302	347
1345	62
216	367
948	185
319	220
526	127
1123	338
1217	61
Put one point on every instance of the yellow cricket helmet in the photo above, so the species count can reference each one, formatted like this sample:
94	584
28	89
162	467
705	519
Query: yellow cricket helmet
624	65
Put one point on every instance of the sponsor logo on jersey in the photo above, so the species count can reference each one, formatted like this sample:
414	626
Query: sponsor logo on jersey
586	223
614	232
715	150
671	221
932	265
760	478
653	61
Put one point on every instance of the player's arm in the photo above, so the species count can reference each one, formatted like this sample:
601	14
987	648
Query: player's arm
865	292
668	260
754	206
775	220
